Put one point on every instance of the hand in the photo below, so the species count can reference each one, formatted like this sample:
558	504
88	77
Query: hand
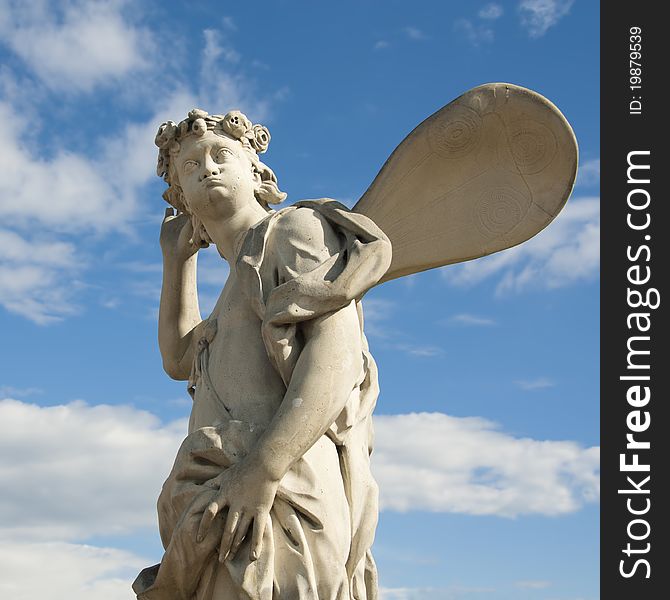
249	494
176	235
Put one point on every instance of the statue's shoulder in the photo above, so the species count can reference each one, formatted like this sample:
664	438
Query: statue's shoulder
305	217
304	227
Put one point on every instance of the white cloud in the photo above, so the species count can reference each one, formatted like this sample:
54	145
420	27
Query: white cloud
566	252
531	385
588	174
74	471
70	192
76	46
435	462
537	16
491	12
58	570
65	191
37	277
381	45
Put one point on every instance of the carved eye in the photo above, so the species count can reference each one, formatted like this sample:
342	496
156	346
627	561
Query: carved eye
222	154
189	165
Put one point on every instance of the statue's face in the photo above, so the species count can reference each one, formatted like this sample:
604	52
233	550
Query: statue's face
215	174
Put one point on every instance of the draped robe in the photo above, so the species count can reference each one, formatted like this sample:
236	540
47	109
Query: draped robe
298	264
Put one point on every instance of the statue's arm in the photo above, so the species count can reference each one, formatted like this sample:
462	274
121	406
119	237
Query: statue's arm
179	312
323	378
327	370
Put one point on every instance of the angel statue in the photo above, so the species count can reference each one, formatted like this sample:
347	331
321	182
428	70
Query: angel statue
271	496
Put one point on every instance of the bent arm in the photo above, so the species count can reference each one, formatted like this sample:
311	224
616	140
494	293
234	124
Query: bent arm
179	315
324	376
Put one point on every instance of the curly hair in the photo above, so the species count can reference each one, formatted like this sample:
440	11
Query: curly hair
254	139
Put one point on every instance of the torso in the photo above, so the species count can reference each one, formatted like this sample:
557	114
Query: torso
239	368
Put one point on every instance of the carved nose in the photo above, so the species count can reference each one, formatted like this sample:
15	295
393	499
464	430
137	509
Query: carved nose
210	168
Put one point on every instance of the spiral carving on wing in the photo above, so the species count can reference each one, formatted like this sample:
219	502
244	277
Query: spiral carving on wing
499	210
533	146
456	132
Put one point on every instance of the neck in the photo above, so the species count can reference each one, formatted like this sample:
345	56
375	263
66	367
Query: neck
227	233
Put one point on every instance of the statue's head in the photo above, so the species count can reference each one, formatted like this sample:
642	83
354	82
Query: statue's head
232	135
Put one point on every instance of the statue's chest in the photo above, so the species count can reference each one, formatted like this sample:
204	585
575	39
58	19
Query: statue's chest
233	372
238	331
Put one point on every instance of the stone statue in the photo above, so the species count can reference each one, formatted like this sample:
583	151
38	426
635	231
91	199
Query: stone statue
271	495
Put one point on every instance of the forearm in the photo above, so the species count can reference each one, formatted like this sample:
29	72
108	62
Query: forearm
179	314
323	378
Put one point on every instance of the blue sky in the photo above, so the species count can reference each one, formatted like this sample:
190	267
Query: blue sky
487	424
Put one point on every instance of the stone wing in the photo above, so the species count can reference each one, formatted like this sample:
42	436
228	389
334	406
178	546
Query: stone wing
484	173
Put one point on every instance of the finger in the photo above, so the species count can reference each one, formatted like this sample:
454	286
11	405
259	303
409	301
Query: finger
242	528
198	473
206	521
228	533
260	521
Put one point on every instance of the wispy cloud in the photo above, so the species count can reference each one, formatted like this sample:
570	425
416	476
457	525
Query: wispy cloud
588	174
426	351
566	252
215	50
76	46
378	313
414	33
471	320
491	12
537	16
16	392
479	30
381	45
229	23
453	592
479	469
476	33
531	385
532	584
